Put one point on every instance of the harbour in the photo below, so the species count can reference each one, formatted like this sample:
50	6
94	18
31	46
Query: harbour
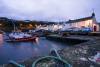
45	33
20	51
72	48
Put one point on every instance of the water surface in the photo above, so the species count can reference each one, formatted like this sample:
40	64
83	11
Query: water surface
20	51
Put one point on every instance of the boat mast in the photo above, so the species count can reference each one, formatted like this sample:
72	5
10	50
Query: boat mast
13	25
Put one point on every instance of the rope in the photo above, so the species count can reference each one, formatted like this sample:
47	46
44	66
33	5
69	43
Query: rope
42	58
15	63
53	57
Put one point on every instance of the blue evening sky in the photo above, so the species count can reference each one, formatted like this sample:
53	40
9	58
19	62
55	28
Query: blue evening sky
49	10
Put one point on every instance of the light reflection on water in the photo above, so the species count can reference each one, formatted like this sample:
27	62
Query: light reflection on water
20	51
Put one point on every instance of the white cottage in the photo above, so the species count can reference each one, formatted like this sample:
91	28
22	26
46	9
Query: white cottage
89	22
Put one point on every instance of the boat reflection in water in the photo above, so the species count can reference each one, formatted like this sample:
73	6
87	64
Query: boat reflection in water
36	40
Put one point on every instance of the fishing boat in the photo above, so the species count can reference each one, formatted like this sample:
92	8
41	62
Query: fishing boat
20	37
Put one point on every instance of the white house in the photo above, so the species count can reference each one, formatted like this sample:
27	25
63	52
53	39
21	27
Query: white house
52	27
87	22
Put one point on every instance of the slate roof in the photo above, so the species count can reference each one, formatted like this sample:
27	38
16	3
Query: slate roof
81	19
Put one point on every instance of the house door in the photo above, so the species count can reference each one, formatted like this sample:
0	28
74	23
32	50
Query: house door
95	28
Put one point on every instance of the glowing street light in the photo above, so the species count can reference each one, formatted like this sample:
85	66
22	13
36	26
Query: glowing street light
0	24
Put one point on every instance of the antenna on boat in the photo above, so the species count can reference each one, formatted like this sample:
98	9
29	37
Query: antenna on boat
13	24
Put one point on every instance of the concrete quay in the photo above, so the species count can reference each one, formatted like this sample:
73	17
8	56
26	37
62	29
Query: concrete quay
72	40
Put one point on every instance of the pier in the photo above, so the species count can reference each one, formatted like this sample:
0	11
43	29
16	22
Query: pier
69	39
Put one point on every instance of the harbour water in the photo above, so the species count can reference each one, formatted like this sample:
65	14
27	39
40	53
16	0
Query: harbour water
20	51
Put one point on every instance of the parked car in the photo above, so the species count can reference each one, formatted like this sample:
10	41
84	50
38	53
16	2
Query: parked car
86	29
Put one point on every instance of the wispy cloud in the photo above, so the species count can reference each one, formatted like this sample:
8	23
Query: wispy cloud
48	9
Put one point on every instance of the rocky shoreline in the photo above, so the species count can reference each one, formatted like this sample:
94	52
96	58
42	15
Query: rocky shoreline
80	55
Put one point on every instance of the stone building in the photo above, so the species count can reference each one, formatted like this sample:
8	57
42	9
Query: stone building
87	22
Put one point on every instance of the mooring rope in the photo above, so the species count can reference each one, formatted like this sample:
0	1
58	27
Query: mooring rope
42	58
53	57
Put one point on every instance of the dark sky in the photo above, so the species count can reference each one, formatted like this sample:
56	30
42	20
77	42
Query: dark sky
49	10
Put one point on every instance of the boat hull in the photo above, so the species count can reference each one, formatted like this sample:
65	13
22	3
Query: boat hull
21	39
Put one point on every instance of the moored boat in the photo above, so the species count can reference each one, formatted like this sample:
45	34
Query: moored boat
20	37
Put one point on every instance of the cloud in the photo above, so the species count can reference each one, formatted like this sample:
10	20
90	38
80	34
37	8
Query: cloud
48	9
